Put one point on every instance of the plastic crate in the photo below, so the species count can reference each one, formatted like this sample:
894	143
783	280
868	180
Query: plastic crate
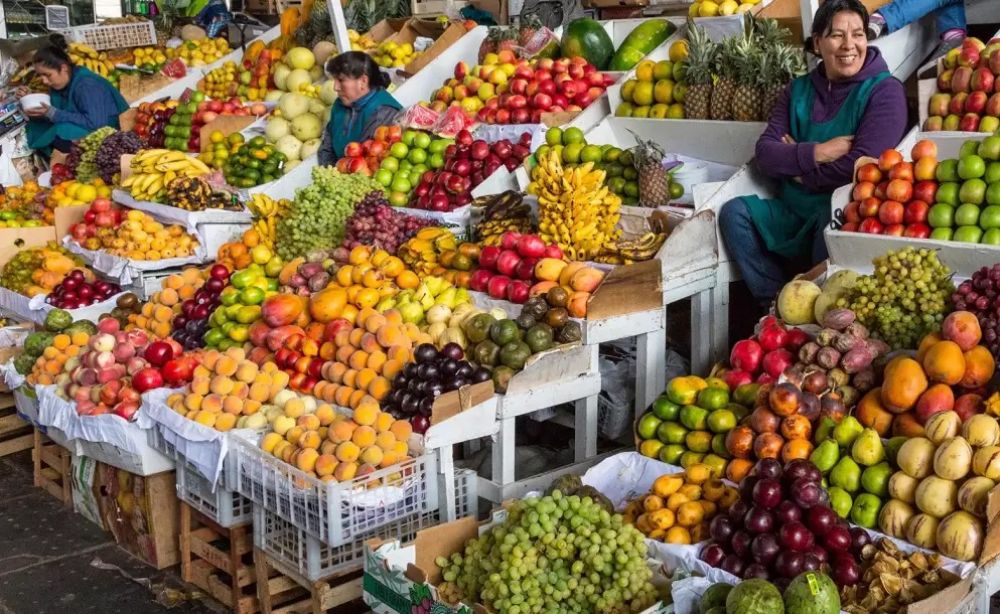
113	36
300	553
335	512
226	507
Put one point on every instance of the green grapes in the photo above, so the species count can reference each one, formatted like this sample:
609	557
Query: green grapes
553	554
86	169
905	298
318	216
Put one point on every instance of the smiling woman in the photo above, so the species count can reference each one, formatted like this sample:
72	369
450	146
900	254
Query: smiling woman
849	106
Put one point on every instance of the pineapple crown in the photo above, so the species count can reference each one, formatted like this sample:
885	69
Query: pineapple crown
746	59
645	152
702	52
531	21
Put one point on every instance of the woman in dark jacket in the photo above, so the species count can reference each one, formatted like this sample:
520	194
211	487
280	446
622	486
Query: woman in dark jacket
848	107
362	105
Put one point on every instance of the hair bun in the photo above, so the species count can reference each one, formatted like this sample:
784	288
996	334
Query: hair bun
58	41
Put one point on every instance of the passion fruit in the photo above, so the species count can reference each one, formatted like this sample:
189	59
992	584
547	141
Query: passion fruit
556	317
557	296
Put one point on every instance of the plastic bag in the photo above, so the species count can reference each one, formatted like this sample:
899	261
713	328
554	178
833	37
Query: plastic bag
419	117
617	398
453	121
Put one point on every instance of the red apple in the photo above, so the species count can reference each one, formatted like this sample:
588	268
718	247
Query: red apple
870	225
891	212
976	102
917	231
915	212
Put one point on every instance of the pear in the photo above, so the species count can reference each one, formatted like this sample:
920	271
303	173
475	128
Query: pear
867	448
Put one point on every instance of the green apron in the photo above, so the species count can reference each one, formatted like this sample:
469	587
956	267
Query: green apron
788	224
347	124
42	133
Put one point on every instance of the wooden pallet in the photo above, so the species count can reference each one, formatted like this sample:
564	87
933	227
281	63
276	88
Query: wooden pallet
218	560
275	585
15	433
53	467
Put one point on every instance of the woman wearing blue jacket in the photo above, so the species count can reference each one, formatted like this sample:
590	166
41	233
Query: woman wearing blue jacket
362	104
81	101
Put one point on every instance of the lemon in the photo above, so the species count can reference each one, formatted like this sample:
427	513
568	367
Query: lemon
86	193
708	9
693	10
678	51
728	7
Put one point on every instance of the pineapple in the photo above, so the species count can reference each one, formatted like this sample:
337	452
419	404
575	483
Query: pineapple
747	66
701	57
654	182
784	64
722	92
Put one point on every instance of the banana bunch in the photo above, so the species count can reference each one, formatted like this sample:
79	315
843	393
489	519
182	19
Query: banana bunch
575	209
154	169
502	213
634	250
88	57
266	212
421	252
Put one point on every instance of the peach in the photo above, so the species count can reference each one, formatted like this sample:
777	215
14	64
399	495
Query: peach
364	436
376	360
306	460
336	372
383	422
355	337
348	451
350	377
280	447
375	322
232	405
240	390
295	408
979	366
963	328
372	455
549	269
212	403
201	371
370	343
400	353
345	471
391	369
268	367
310	439
279	381
287	452
343	396
310	422
259	391
236	353
359	358
323	431
944	363
365	469
250	407
586	279
344	354
365	377
402	430
412	331
366	414
269	441
247	372
355	399
341	431
226	366
201	385
225	422
294	434
282	424
937	398
379	388
205	418
327	447
325	414
325	465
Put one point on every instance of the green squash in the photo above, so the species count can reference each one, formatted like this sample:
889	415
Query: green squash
647	36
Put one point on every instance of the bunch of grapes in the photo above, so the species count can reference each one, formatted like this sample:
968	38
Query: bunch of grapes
85	169
376	223
553	554
905	298
112	149
981	296
320	210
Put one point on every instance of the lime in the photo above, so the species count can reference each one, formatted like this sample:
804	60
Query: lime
698	441
218	317
671	453
665	409
572	135
213	336
694	417
571	153
646	429
713	398
590	153
721	420
671	432
553	136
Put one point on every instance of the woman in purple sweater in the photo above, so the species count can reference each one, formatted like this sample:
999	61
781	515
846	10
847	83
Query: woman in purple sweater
848	107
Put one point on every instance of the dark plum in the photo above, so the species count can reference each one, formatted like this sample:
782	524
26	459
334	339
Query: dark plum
806	493
453	351
811	562
796	536
425	353
767	493
758	520
756	570
740	543
820	519
787	511
721	529
844	569
768	468
737	511
713	554
859	539
838	538
733	564
765	548
789	563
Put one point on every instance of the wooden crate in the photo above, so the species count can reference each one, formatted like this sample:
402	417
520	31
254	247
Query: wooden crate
15	433
53	467
282	592
218	560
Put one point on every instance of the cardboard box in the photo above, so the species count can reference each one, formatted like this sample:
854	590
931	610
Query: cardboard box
498	8
443	36
789	14
386	28
86	489
141	513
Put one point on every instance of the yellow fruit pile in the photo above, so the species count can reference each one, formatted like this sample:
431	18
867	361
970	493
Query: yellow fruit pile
163	305
335	448
360	42
680	506
153	57
53	360
371	276
87	56
141	237
422	251
227	388
390	54
576	210
216	82
200	52
655	92
73	193
710	8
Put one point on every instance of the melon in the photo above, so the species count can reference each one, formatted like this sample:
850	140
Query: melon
192	33
588	39
812	592
281	72
328	92
316	107
300	57
273	95
754	596
292	105
290	146
277	127
297	79
323	50
306	126
309	148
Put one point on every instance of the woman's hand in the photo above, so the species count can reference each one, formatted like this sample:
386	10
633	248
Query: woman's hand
36	112
831	150
21	91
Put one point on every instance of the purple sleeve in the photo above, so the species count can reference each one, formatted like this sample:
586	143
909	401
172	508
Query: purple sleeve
775	158
882	126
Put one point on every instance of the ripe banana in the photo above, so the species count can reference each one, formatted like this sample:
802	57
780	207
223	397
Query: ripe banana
154	169
575	209
266	212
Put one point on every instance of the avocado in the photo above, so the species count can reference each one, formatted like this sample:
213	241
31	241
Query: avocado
556	317
539	337
557	296
485	353
515	354
536	307
501	377
525	321
570	333
477	328
503	332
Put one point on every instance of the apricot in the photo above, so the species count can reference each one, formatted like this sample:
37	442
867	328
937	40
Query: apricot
379	388
310	422
247	372
343	396
226	366
402	430
944	363
259	391
306	460
269	441
294	408
375	322
348	451
355	398
337	370
287	453
345	471
383	422
250	407
294	434
372	455
356	336
341	431
279	381
366	414
385	440
232	405
221	385
225	422
344	354
327	447
325	465
205	418
236	354
268	367
358	360
979	367
310	439
400	448
325	414
391	369
412	332
350	378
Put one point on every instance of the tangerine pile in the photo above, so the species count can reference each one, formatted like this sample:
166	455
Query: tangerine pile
53	360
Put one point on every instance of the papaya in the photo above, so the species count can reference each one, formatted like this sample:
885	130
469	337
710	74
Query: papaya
640	41
903	383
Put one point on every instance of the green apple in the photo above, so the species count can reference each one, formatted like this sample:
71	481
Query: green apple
972	191
968	148
947	193
942	234
971	167
993	193
947	170
989	148
990	217
991	237
865	510
992	173
967	214
968	234
875	479
941	215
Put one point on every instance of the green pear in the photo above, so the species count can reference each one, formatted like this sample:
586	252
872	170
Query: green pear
868	449
825	456
892	448
841	501
875	479
846	474
823	430
847	431
447	298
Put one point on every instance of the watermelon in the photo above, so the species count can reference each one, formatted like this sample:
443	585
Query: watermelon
714	597
812	592
756	596
640	41
587	39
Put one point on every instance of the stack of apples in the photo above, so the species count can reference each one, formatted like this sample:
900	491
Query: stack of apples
968	89
505	90
893	197
508	272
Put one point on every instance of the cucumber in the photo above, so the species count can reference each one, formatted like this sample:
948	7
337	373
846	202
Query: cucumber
646	37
